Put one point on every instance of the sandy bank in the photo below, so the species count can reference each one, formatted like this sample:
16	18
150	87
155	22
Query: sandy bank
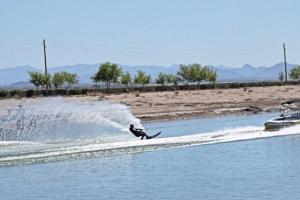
203	103
151	106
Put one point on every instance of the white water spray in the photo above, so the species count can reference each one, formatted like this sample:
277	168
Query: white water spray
60	119
56	129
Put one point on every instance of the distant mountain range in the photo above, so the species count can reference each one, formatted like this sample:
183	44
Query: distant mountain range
18	76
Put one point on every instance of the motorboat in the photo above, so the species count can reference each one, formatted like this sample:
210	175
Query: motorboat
289	116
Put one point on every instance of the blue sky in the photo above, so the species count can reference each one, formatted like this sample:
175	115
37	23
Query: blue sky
149	32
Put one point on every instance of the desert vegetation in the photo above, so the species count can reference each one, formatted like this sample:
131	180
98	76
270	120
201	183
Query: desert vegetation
295	73
189	77
111	73
58	80
107	73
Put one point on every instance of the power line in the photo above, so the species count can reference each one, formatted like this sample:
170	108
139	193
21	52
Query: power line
159	53
156	49
73	49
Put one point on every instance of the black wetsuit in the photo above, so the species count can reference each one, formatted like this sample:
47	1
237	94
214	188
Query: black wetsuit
139	132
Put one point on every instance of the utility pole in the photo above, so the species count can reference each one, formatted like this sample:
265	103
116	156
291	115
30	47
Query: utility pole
45	56
284	54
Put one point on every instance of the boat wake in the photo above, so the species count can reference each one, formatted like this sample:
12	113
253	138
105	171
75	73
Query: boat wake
16	153
56	129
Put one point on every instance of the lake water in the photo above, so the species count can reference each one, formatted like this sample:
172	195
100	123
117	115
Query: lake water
257	169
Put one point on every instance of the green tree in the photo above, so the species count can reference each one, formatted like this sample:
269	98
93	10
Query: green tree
126	79
165	78
58	80
173	79
197	73
70	79
46	81
295	73
206	72
142	78
107	73
36	78
162	78
192	73
212	76
280	76
185	73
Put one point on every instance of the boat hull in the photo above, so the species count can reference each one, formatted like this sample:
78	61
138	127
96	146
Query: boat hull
274	126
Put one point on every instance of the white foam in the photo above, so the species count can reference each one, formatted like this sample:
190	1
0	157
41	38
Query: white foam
55	152
15	143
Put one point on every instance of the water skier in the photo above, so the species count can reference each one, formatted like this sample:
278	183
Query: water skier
138	132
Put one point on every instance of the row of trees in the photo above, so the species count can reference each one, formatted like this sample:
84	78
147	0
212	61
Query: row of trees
111	73
57	80
189	74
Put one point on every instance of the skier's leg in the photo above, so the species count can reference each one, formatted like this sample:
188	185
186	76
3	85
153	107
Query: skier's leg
147	137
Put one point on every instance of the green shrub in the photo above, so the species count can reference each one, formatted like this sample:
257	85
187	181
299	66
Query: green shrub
3	94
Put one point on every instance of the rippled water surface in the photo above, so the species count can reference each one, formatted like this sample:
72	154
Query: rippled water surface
229	159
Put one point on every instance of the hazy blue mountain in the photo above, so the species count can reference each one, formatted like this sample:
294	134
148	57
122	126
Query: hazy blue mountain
247	72
250	73
17	74
84	71
152	70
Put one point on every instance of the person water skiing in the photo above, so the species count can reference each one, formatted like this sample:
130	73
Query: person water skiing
138	132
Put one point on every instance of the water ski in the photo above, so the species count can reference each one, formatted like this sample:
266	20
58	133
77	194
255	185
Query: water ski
153	136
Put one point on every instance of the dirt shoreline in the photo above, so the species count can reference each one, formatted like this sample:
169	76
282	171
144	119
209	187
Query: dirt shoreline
187	104
158	106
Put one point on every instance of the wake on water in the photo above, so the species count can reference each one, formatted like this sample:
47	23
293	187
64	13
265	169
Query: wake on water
56	129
